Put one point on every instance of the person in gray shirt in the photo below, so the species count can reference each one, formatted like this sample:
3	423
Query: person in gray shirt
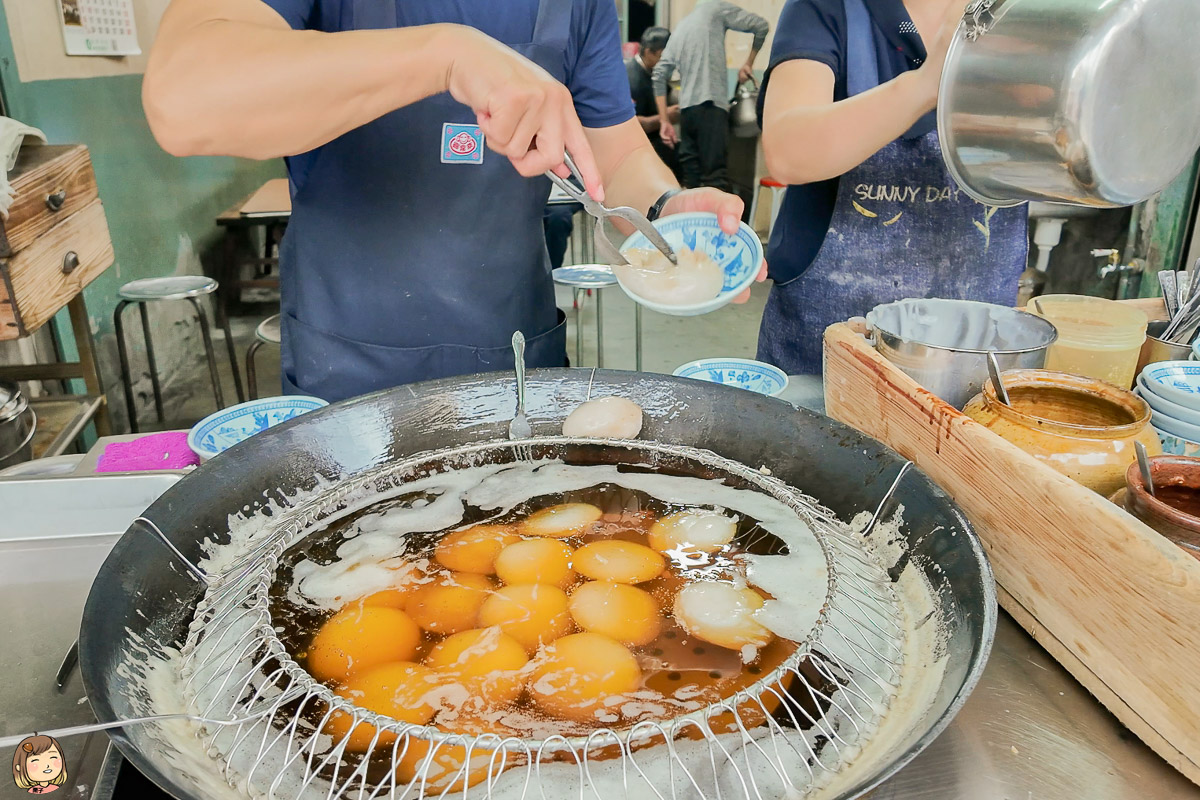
697	50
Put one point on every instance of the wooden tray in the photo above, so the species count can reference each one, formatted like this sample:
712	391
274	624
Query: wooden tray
1114	602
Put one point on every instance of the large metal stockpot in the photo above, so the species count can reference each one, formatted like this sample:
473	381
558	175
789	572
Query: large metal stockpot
1090	102
142	601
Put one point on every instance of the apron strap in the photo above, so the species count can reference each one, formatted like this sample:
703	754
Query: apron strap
862	62
553	28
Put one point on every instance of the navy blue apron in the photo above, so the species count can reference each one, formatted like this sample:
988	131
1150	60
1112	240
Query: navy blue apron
398	266
900	228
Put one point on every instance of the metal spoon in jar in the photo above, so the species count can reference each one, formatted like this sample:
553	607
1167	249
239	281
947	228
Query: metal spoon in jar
1144	466
994	372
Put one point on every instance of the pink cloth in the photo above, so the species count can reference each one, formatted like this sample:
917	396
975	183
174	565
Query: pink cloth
155	451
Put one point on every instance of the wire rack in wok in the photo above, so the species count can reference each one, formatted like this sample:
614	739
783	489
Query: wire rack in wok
783	736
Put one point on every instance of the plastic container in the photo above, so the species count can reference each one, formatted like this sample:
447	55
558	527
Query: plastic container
1098	338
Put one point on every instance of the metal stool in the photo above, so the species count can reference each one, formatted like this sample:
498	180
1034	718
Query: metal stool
180	287
267	332
777	192
580	278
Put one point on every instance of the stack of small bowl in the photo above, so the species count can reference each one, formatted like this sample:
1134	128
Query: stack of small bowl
1172	389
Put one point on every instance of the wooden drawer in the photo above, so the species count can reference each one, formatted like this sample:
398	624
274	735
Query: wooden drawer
44	276
51	182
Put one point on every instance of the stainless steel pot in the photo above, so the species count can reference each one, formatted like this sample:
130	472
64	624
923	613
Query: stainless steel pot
18	424
1091	102
943	344
743	110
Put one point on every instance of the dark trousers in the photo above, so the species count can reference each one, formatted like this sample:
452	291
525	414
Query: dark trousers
558	221
703	141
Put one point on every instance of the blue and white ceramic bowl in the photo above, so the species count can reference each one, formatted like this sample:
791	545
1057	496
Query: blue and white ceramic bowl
1163	406
1177	381
1175	427
222	430
1177	445
740	256
742	373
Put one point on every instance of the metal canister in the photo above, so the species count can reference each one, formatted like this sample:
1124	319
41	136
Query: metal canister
18	423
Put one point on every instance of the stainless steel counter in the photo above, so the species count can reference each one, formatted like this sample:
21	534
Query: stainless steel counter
1029	731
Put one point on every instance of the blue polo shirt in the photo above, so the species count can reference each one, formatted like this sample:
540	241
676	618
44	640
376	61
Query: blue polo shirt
816	30
594	67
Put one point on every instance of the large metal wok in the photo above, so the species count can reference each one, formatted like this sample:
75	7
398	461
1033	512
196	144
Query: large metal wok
143	600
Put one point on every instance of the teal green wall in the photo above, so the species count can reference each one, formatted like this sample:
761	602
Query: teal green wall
150	197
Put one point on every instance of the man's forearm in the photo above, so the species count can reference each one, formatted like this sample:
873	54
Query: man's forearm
633	173
650	124
309	87
663	112
752	57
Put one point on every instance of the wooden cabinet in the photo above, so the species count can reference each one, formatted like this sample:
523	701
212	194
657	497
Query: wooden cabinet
55	240
54	243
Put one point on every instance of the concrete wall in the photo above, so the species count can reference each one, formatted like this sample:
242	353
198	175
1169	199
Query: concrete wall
160	208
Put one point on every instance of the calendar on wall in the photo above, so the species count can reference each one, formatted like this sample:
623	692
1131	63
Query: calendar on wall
99	27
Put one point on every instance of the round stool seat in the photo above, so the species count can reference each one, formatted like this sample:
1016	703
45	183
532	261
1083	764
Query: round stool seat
268	330
585	276
771	183
174	287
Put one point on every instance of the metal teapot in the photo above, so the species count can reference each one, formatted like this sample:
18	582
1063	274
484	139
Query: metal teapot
743	110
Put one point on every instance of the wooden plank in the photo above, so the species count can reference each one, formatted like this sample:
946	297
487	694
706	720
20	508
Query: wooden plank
36	274
1122	600
41	172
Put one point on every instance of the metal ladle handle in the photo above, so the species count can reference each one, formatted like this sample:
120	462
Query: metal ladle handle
997	383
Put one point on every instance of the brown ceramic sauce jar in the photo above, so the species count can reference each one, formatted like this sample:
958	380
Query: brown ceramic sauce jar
1175	511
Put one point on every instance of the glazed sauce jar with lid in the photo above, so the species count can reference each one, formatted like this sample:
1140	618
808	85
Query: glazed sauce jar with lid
1079	426
1097	337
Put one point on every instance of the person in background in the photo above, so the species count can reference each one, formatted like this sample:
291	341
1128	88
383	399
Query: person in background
558	221
870	215
697	50
641	89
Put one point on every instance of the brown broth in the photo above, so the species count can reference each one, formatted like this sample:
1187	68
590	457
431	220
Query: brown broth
1183	498
674	665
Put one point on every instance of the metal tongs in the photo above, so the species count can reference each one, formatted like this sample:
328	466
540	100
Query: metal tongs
607	249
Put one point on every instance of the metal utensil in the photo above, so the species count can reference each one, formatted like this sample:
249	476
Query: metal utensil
1169	283
1144	465
519	427
7	742
608	250
997	383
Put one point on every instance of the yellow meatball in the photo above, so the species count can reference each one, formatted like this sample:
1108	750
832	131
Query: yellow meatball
536	561
402	691
486	661
692	531
626	613
581	677
618	560
450	603
474	549
531	613
358	638
561	521
722	614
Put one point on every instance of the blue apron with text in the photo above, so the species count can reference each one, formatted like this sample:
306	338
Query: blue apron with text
900	228
412	253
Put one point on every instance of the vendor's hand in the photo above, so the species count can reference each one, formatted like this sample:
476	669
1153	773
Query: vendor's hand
935	58
745	73
666	132
727	207
525	114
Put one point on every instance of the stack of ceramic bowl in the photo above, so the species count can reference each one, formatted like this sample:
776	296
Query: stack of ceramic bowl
1172	388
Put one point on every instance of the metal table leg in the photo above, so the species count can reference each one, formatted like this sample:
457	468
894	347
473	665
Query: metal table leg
208	352
599	328
637	336
578	295
251	371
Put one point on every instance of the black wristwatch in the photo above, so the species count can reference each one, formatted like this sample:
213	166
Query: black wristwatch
656	210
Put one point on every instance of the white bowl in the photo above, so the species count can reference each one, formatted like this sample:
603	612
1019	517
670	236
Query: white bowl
1165	407
218	432
1175	427
1177	445
744	373
739	256
1177	381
